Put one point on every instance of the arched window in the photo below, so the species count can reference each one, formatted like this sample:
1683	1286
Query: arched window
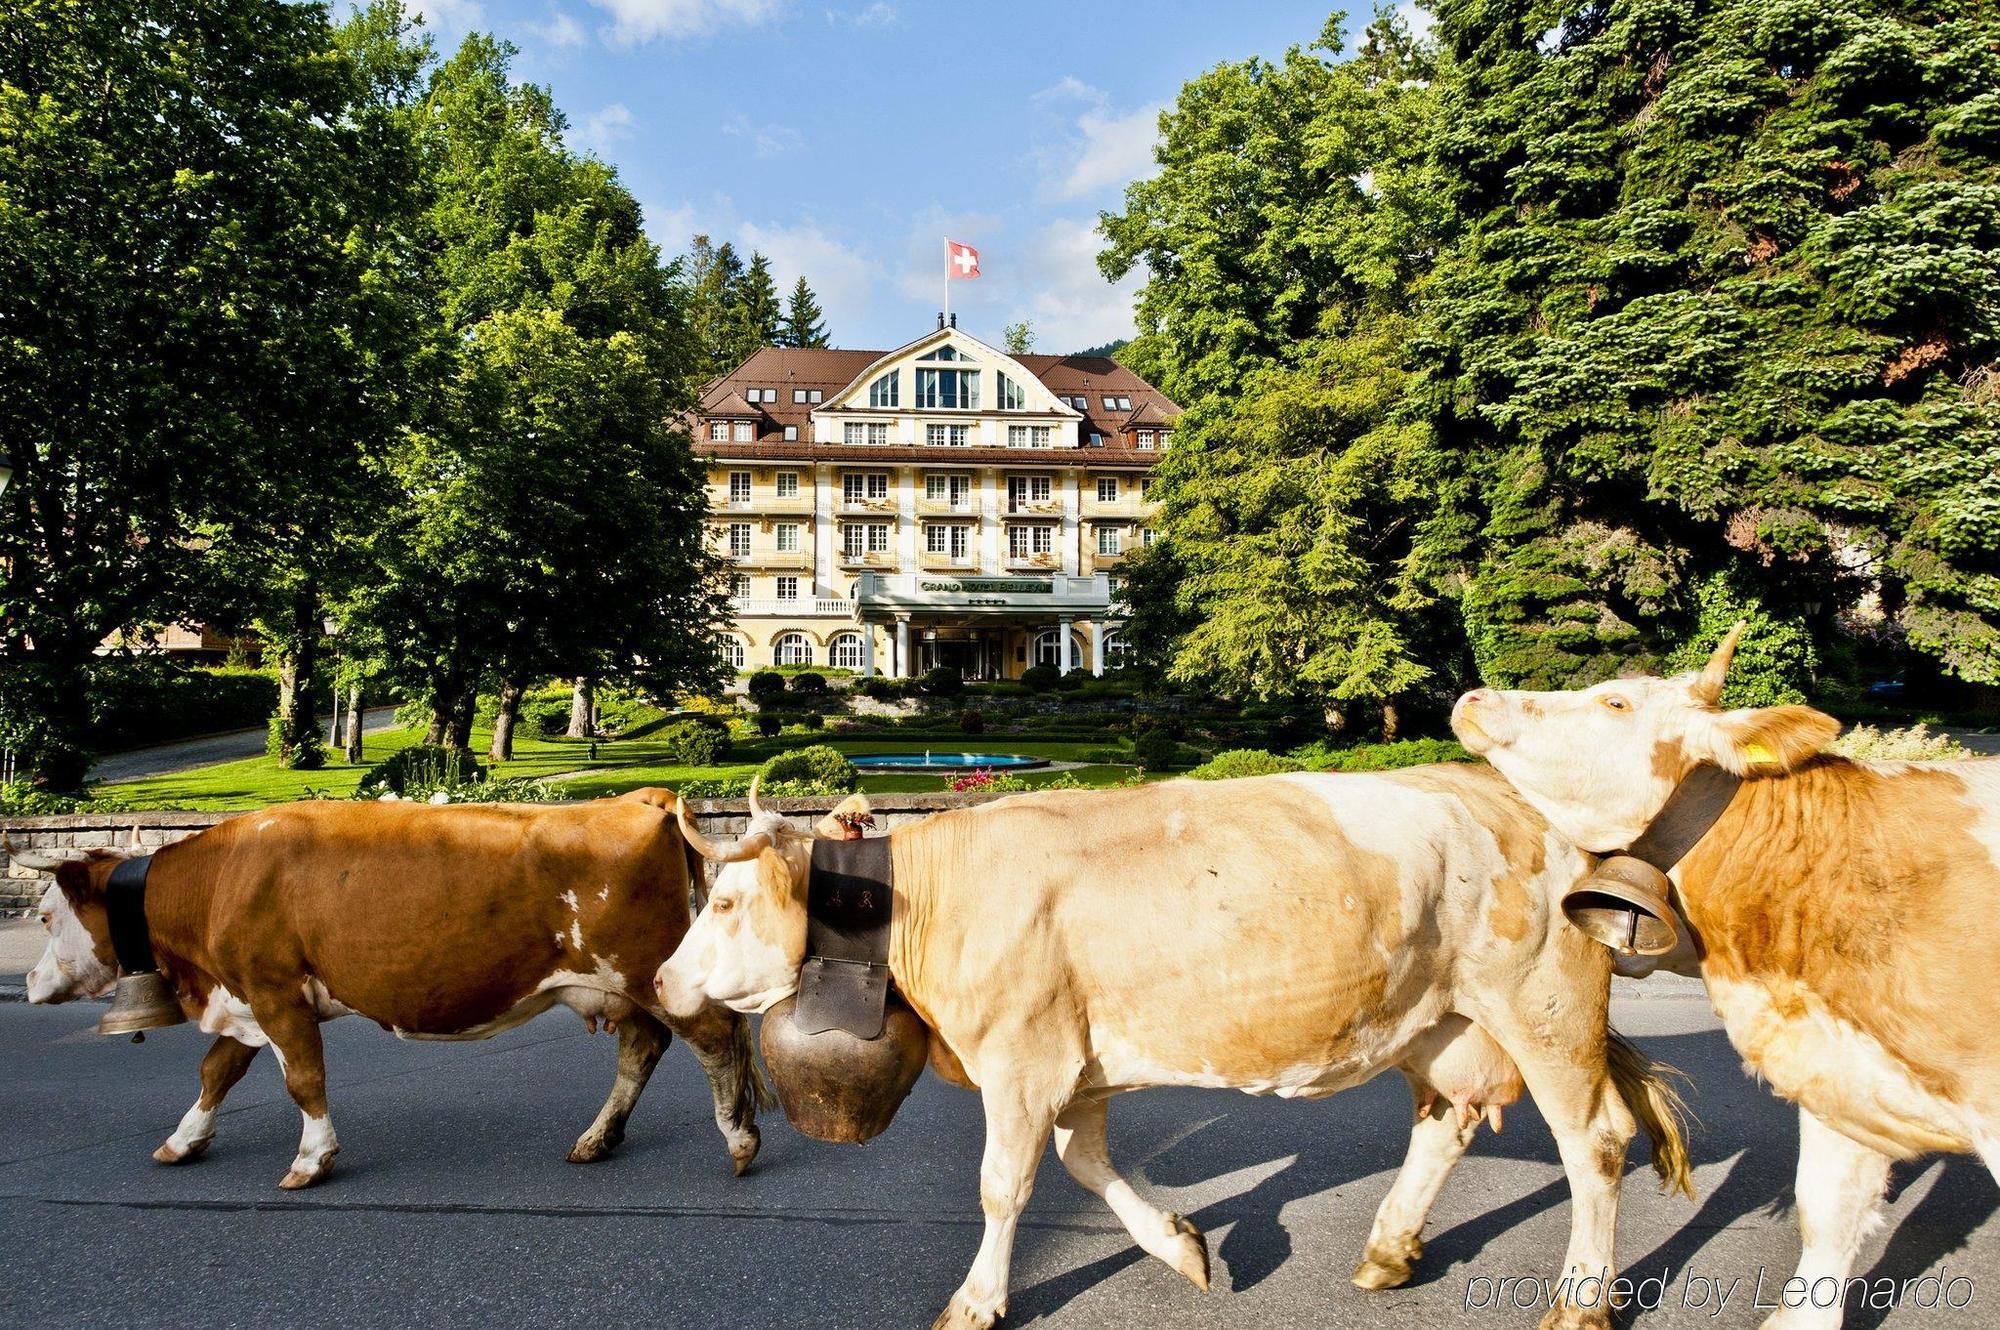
1046	650
1013	397
844	652
792	649
1117	655
733	653
886	390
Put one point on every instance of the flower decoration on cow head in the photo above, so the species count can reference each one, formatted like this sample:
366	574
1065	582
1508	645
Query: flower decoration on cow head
1600	762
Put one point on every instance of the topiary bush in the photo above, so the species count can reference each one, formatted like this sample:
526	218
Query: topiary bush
696	743
769	723
826	769
767	684
942	682
808	684
1240	762
812	720
1381	757
971	722
1041	678
422	765
1156	750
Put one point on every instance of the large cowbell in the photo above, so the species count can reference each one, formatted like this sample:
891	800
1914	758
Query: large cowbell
1624	905
144	1000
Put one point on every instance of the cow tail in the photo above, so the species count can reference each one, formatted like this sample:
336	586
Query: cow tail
1648	1090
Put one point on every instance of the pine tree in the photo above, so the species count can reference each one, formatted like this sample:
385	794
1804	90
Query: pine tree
805	324
758	297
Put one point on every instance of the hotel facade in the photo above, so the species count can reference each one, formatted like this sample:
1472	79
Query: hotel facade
941	505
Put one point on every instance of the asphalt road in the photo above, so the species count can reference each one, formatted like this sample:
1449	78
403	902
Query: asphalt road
162	759
451	1203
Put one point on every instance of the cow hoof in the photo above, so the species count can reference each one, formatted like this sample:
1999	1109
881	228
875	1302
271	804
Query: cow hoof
743	1148
1569	1316
1187	1252
169	1153
960	1314
305	1174
1388	1263
591	1146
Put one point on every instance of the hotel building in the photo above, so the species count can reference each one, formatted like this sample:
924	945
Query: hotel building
943	504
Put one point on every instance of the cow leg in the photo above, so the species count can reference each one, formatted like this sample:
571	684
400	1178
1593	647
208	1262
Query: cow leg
720	1040
1017	1129
1839	1188
224	1065
294	1035
1081	1146
641	1040
1395	1243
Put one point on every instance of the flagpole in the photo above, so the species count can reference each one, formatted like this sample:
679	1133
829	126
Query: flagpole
947	281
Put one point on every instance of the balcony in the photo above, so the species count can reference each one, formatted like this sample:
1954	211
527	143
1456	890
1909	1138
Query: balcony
867	559
1128	509
1037	562
1034	508
882	507
949	563
799	504
770	559
817	607
1093	560
965	507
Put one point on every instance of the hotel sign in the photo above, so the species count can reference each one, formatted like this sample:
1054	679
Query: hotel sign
1008	587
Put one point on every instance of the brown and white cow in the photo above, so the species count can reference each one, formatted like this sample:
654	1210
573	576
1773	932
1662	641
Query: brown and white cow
1289	935
1841	913
452	922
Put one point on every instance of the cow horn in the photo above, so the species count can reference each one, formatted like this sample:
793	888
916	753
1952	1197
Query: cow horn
1707	688
39	863
756	809
747	848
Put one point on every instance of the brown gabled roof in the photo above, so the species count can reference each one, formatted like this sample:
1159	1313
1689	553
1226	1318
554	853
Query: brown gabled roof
829	371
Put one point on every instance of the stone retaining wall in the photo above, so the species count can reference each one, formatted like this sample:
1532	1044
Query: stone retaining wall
21	888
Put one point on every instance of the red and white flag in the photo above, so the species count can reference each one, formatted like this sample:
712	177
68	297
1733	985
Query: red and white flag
960	259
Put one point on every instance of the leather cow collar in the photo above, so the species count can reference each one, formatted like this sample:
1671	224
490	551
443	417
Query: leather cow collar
1689	813
850	894
1627	901
125	904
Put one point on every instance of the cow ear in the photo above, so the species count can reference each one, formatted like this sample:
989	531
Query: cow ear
73	876
1766	739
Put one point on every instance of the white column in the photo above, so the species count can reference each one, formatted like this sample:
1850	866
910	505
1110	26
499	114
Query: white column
902	648
1064	650
1096	648
867	650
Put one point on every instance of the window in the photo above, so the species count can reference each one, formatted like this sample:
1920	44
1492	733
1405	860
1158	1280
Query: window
1107	489
1146	439
1147	536
1108	539
864	486
739	586
875	432
1080	403
1023	490
859	538
791	433
1164	436
947	436
739	540
1048	648
744	431
1117	404
1145	486
718	431
952	540
788	588
815	396
1029	436
946	352
886	391
739	489
733	654
788	537
845	652
792	649
954	490
1096	439
1013	397
788	484
947	389
798	396
1023	541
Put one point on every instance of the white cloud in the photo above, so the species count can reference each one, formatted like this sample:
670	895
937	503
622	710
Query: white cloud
765	140
842	277
1418	19
1066	297
881	14
920	274
449	20
602	128
559	30
1101	149
635	21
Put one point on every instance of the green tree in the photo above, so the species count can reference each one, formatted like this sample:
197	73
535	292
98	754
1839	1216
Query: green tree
188	242
1018	339
805	323
763	314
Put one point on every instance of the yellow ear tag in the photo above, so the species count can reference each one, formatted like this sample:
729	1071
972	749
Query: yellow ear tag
1756	752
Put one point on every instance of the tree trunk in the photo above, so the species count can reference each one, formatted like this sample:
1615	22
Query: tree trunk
1392	720
1336	719
298	727
502	747
353	735
458	730
54	685
434	732
582	702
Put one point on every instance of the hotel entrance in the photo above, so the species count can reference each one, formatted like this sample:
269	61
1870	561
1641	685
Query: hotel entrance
975	654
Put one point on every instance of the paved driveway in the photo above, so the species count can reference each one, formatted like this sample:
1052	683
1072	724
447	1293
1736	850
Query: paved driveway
209	749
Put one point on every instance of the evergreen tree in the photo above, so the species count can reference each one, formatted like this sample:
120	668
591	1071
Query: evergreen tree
805	324
763	315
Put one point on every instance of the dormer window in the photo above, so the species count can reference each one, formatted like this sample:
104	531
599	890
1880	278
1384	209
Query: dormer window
1117	404
1013	397
946	352
718	431
947	389
1080	403
886	391
745	432
1146	439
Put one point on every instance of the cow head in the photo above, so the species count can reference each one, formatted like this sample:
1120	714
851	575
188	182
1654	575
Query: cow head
745	948
78	961
1599	762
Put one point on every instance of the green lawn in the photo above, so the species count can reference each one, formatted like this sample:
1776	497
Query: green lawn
621	765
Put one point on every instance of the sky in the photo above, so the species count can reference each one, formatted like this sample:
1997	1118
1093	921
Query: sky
846	139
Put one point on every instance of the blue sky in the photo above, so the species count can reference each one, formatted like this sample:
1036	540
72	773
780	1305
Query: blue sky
847	138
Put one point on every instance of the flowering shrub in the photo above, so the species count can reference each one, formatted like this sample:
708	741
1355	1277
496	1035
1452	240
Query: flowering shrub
1865	743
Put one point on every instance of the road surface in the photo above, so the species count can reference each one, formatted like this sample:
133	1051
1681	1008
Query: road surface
164	759
451	1203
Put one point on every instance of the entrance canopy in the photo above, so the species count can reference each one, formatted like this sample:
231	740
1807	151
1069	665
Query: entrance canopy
885	595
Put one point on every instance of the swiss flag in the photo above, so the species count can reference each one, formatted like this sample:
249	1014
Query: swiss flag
960	259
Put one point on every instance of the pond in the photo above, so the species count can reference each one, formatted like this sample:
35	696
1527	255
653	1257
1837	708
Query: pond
944	761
